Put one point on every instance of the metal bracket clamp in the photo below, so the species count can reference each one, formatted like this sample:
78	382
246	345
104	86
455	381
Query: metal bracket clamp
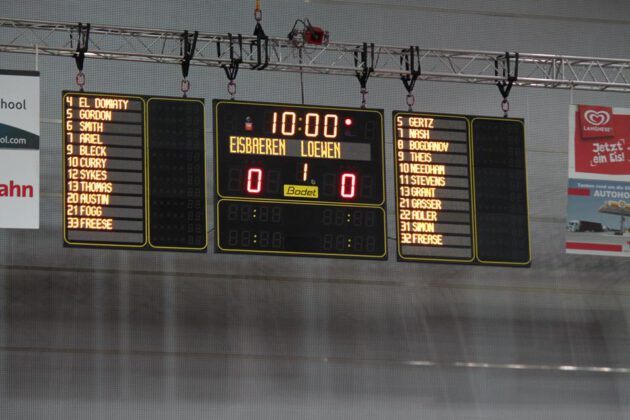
231	70
509	74
83	39
188	52
262	45
410	62
361	58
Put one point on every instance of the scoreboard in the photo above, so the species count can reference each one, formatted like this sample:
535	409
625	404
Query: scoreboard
461	190
134	172
299	180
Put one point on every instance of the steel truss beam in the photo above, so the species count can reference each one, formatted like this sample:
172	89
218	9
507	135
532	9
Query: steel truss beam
336	58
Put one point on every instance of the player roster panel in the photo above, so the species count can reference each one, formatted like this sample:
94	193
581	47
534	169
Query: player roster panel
433	187
461	189
134	172
104	160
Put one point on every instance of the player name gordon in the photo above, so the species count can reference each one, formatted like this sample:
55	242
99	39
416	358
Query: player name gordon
299	148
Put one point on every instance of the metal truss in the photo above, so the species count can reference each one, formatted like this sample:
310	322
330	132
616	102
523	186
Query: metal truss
336	58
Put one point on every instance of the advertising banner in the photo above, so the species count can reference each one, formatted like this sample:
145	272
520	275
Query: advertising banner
598	204
19	149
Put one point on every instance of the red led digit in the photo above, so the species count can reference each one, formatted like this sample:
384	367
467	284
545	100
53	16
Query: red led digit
254	180
348	185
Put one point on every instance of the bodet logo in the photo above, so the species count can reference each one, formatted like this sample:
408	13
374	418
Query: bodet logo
596	121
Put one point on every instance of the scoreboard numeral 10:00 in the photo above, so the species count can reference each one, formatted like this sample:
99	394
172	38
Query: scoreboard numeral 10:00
289	120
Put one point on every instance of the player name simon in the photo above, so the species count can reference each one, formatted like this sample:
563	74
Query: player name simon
278	147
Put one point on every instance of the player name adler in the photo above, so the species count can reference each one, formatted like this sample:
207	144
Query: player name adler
278	147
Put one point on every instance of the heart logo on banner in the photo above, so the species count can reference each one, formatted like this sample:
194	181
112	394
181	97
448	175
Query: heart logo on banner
597	117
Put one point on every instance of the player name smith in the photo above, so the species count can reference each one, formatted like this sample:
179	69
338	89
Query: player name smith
278	147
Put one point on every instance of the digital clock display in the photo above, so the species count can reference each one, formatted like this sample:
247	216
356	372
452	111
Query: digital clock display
304	160
461	192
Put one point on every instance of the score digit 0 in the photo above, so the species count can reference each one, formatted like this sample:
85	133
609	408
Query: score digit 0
254	180
348	185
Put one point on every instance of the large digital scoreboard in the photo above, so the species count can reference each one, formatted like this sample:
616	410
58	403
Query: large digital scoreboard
134	172
299	180
461	189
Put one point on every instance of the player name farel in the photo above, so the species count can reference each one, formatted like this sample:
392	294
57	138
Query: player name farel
278	147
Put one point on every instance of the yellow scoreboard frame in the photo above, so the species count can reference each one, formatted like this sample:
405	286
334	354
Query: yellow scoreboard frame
146	244
474	258
286	199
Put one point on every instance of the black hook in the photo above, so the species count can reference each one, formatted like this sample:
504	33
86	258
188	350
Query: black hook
361	57
261	39
189	51
410	61
82	44
509	77
231	70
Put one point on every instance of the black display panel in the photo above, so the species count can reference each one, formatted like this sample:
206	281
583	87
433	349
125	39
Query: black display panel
299	228
177	178
107	172
301	154
453	185
500	191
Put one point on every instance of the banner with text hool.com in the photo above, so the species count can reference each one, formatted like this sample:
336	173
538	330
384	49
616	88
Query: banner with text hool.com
598	205
19	149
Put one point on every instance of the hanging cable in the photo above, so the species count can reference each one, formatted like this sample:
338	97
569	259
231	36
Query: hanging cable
301	75
83	38
231	69
509	77
410	62
361	58
261	43
188	52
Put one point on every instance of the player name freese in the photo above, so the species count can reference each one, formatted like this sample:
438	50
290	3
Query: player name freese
278	147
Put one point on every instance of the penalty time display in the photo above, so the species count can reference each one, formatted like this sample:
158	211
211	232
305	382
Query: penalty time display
134	172
461	190
299	180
